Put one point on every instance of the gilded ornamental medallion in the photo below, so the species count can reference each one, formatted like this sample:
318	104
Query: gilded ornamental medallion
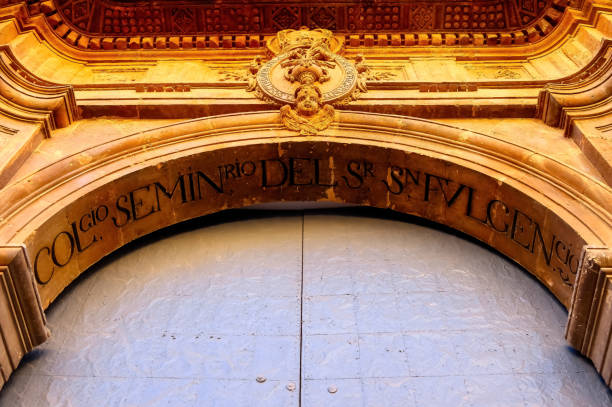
307	78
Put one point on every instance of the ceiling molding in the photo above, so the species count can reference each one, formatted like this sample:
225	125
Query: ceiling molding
169	25
168	17
582	95
43	19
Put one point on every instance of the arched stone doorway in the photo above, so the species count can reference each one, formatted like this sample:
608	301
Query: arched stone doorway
528	206
394	313
537	190
503	194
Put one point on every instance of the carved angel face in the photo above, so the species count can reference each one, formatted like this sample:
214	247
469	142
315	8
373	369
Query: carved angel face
307	101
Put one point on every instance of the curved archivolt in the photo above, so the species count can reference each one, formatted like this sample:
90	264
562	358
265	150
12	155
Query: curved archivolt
530	207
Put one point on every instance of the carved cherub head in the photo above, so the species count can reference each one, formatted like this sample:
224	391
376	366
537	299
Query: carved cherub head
308	100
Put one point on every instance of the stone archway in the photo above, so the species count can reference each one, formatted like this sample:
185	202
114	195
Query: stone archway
72	213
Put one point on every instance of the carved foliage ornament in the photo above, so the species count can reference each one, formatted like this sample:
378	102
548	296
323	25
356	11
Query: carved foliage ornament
308	78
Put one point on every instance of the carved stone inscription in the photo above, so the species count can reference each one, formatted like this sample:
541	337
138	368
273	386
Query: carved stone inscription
407	182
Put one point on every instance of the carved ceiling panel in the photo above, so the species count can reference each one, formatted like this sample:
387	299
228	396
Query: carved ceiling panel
114	17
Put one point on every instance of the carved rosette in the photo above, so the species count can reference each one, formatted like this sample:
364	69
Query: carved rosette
307	77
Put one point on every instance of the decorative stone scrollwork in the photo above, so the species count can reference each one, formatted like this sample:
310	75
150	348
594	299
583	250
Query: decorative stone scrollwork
308	78
252	72
309	64
249	76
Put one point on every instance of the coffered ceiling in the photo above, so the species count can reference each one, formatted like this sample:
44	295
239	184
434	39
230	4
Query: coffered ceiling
127	17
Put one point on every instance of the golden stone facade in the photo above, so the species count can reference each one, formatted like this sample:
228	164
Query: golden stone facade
111	130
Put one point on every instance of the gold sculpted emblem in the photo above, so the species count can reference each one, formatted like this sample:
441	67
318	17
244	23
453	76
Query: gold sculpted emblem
309	116
307	77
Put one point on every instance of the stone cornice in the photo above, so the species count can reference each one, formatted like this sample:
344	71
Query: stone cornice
585	96
579	95
31	109
28	93
552	21
463	46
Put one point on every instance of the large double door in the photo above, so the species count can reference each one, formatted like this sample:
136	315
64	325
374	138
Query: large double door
305	308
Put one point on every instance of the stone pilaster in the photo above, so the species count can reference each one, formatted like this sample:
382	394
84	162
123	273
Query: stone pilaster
589	327
22	321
